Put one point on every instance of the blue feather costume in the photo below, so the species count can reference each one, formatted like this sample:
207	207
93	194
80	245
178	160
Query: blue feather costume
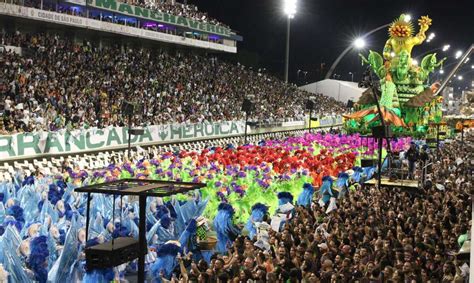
259	210
358	171
38	256
166	261
306	196
343	184
283	199
325	192
224	227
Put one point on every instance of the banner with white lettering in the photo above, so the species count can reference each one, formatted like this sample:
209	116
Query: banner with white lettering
35	144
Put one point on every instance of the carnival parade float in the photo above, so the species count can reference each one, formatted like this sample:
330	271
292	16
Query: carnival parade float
407	96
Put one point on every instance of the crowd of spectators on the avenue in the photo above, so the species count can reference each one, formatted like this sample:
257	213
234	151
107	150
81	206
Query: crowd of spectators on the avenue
373	236
57	83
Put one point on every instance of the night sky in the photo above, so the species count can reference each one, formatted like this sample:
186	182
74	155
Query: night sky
323	28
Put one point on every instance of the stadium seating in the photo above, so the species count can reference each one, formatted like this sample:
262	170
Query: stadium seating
57	83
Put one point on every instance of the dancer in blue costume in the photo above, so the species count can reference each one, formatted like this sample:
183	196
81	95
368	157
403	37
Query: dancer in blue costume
358	171
259	210
224	227
285	208
325	192
342	184
167	261
306	196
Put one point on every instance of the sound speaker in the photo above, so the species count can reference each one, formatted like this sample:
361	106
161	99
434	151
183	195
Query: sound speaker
367	162
247	105
106	255
127	108
309	105
137	132
381	132
350	104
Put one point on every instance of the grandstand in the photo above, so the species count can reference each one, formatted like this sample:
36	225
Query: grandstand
179	24
52	81
287	203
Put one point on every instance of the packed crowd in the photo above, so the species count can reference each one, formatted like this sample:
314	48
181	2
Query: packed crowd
373	236
57	83
333	232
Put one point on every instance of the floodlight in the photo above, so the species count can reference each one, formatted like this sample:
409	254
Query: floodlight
359	43
289	7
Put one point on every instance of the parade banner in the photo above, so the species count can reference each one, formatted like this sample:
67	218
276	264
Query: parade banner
27	145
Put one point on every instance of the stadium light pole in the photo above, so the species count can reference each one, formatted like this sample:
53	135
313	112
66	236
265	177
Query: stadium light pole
289	8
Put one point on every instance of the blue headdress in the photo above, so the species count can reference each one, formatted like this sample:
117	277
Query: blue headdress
10	221
369	172
61	184
17	212
166	261
326	189
165	221
259	210
224	227
161	210
55	194
120	231
357	173
306	196
284	198
30	180
342	180
39	254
